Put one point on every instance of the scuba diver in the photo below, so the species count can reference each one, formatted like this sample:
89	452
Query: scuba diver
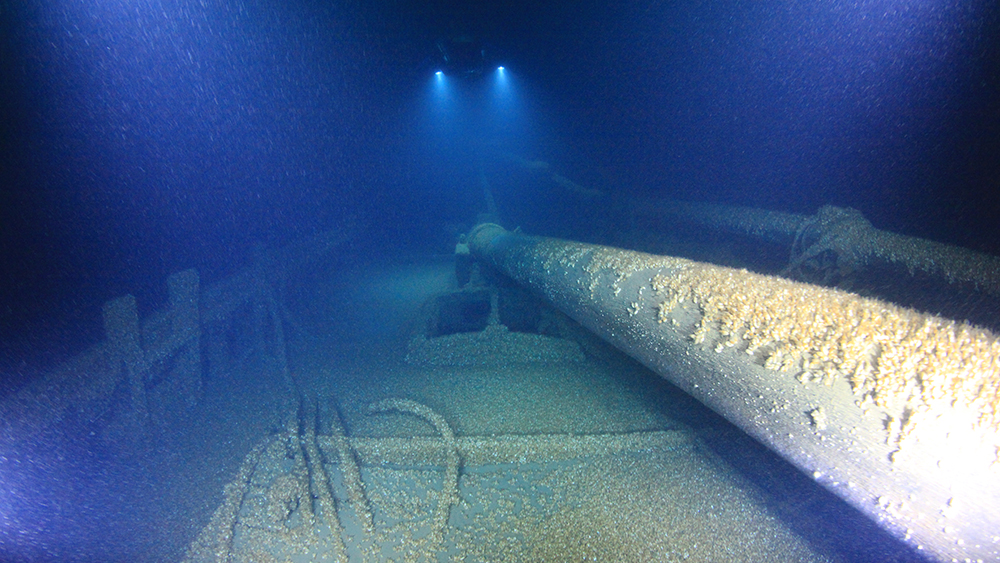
460	55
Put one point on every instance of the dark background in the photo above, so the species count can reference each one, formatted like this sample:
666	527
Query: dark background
139	139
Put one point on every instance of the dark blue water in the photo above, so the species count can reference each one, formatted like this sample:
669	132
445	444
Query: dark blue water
142	138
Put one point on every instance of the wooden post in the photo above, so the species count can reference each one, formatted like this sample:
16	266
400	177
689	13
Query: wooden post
121	324
183	288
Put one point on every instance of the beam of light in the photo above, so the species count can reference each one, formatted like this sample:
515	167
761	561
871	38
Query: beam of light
441	98
502	82
502	91
440	87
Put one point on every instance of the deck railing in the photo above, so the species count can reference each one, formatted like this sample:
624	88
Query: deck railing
147	371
